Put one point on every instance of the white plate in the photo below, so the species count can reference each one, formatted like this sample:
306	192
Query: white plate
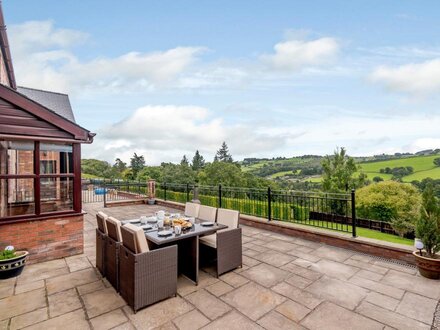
164	233
134	221
207	223
152	220
146	227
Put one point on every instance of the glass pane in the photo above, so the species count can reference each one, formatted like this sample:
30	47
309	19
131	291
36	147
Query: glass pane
56	159
56	194
16	157
16	197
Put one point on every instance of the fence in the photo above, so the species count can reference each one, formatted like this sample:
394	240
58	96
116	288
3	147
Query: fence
324	210
330	211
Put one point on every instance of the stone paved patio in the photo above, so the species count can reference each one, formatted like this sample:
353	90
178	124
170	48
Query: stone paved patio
285	283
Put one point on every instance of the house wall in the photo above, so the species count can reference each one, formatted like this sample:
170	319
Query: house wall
47	239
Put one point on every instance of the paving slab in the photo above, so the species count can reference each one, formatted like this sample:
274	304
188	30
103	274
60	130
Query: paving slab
232	321
63	302
281	246
417	307
219	288
29	286
158	314
253	300
208	304
76	263
292	310
234	279
22	303
378	287
274	258
301	271
342	293
382	300
192	320
389	318
417	284
274	321
266	275
334	269
333	253
25	320
75	320
109	320
91	287
298	281
102	301
329	316
71	280
303	297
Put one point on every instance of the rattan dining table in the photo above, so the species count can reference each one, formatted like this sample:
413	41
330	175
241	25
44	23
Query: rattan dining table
188	246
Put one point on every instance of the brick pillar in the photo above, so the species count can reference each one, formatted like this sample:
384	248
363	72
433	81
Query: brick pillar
151	189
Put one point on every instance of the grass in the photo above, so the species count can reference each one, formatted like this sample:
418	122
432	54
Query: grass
362	232
279	174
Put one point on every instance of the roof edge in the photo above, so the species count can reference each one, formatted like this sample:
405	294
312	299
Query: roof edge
6	51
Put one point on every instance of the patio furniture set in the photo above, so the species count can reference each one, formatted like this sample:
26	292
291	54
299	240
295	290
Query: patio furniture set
142	262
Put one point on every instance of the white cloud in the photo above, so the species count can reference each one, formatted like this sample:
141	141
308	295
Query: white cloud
417	79
43	58
293	55
165	133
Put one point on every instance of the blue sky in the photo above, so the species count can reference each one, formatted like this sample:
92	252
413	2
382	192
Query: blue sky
271	78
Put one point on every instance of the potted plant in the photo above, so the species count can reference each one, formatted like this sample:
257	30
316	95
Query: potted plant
428	234
12	262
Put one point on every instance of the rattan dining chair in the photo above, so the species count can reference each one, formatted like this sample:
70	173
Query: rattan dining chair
113	243
227	243
145	277
101	239
192	210
207	213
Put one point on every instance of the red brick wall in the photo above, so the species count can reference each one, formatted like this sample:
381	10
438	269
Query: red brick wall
45	239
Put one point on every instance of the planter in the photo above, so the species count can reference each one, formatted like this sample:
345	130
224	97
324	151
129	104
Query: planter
14	266
151	201
428	267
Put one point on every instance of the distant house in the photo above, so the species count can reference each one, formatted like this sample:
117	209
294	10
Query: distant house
40	167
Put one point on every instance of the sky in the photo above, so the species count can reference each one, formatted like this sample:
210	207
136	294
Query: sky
271	78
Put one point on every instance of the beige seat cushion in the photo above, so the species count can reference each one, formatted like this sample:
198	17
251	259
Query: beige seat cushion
133	238
228	218
192	210
100	219
207	213
210	240
114	228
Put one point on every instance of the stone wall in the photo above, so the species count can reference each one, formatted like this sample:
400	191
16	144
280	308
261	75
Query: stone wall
46	239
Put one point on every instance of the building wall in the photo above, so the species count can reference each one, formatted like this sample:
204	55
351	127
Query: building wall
45	239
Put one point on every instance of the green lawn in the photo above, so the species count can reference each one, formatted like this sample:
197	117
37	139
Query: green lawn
362	232
279	174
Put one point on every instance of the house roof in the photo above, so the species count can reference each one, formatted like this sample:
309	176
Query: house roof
57	102
6	52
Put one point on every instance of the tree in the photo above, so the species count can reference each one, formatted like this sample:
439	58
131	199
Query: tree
436	161
97	168
184	161
377	179
137	163
227	174
223	154
339	171
198	162
119	166
428	225
390	201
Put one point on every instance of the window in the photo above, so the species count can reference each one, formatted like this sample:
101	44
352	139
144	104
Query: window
36	178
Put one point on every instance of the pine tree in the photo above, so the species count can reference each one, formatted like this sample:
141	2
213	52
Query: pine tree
184	161
198	162
137	163
223	154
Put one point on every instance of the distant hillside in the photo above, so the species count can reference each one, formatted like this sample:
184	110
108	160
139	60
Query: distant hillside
408	167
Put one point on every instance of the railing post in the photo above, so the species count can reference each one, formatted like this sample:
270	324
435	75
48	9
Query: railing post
187	192
165	191
151	186
219	195
269	204
196	194
353	212
105	194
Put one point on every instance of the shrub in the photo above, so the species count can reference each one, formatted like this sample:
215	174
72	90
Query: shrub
7	254
390	201
300	213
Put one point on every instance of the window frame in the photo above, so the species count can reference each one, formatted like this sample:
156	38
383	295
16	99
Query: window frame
37	176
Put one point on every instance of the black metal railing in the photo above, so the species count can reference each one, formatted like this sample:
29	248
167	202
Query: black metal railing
324	210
